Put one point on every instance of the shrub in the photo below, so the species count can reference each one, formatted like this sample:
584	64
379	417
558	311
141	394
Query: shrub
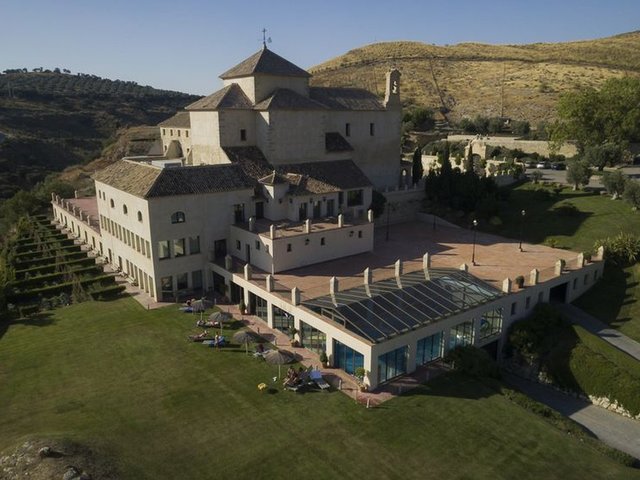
533	336
632	193
472	361
623	249
519	281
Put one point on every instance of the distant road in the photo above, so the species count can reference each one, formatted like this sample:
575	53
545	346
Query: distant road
560	176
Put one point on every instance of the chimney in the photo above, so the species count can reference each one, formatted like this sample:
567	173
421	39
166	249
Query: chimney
392	92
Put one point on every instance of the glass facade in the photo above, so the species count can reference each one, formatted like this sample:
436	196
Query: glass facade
392	364
262	308
429	349
491	323
346	358
313	339
282	320
461	334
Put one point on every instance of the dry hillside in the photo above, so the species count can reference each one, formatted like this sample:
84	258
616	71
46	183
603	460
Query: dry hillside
517	81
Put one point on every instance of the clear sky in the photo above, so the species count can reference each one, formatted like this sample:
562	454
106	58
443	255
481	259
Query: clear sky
185	44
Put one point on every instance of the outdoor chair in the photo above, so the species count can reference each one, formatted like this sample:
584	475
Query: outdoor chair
316	377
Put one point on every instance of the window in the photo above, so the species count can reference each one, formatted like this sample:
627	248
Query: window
178	217
282	320
194	245
243	135
306	241
347	129
372	129
513	308
186	134
322	242
179	132
359	233
340	198
139	216
351	232
392	364
461	334
238	245
354	198
164	131
257	244
491	323
288	247
182	281
196	280
148	248
166	284
171	132
112	203
178	247
527	303
429	349
575	283
138	243
125	210
164	251
347	358
238	213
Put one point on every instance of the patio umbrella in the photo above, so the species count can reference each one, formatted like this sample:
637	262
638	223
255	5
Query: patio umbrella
220	317
201	305
278	357
246	337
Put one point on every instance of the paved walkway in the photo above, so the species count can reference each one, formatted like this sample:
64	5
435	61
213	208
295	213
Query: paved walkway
601	329
613	429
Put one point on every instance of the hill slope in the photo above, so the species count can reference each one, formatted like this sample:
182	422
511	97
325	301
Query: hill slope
54	120
516	81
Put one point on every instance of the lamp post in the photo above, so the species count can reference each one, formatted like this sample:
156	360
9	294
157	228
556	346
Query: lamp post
522	215
473	252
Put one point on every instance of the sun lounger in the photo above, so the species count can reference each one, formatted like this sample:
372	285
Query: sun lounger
316	377
196	338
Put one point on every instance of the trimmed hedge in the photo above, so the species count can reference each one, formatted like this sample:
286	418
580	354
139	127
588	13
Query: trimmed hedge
21	257
67	287
51	260
52	277
71	264
107	293
51	243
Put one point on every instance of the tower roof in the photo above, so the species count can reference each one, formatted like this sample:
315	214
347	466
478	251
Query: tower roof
265	62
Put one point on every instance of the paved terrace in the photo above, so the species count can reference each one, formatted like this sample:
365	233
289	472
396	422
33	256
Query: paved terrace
287	228
84	209
496	258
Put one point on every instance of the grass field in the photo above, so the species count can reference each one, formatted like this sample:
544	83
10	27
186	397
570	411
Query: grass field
125	380
615	299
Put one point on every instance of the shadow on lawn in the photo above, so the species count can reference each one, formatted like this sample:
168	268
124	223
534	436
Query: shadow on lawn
36	320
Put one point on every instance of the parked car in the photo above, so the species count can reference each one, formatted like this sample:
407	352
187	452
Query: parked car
558	166
530	164
542	165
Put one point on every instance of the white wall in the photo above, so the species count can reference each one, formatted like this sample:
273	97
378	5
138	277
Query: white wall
205	138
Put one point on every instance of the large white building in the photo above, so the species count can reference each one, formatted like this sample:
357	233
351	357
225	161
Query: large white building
269	175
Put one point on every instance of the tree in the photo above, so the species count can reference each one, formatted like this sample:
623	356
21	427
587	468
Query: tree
520	128
578	173
378	201
595	117
495	125
632	193
416	168
600	156
614	182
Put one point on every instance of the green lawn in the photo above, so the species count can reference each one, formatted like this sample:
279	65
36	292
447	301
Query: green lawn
615	299
125	380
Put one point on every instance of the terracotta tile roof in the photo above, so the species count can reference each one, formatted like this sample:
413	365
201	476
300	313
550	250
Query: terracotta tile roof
231	97
146	181
200	179
265	62
179	120
285	99
334	142
250	159
131	177
346	98
323	177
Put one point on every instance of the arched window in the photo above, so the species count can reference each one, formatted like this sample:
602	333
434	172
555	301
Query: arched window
139	216
112	203
178	217
125	210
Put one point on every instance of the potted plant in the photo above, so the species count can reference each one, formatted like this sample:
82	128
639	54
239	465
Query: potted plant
324	360
360	373
519	281
294	341
242	307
